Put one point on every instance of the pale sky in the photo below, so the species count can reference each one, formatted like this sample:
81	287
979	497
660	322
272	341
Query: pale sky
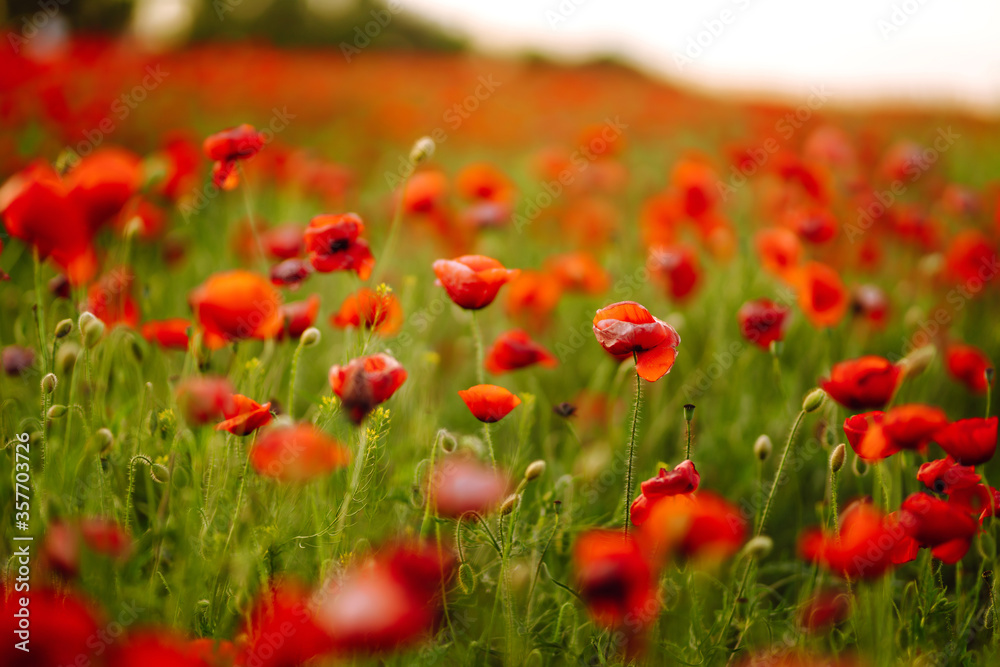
925	50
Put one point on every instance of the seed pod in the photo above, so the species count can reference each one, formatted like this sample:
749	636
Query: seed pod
534	470
56	411
762	448
688	412
813	400
64	328
466	578
422	150
49	383
837	458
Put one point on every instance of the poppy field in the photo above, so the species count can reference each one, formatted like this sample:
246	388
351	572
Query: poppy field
412	359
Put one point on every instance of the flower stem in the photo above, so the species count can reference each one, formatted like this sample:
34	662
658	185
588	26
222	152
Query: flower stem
781	468
248	203
291	380
477	337
425	525
355	482
631	444
397	217
40	312
239	495
687	448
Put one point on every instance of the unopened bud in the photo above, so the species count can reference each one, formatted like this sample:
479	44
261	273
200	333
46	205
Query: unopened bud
762	448
758	547
56	411
837	458
989	375
688	412
64	328
84	320
813	400
422	151
509	504
66	357
917	361
859	466
103	439
310	337
49	383
466	578
534	470
92	330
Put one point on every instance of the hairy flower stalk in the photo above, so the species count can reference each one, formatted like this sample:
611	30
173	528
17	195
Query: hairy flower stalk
477	337
631	446
248	204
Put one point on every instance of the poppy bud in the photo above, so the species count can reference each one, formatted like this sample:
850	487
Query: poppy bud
55	412
916	361
92	332
310	337
837	458
422	150
64	328
989	375
564	409
566	619
509	504
860	466
66	357
758	547
103	439
85	319
688	412
762	448
534	470
466	578
813	400
49	383
448	441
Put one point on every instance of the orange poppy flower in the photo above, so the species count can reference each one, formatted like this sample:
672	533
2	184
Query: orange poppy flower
489	403
815	225
102	183
297	453
299	316
863	547
627	327
762	322
513	350
244	416
482	180
701	525
822	296
226	147
779	249
531	298
461	484
590	222
970	259
110	299
578	272
151	218
969	441
366	382
334	243
682	479
865	382
426	193
472	281
236	305
856	426
380	313
695	181
968	364
171	334
204	399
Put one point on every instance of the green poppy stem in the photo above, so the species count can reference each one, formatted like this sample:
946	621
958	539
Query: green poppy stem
631	444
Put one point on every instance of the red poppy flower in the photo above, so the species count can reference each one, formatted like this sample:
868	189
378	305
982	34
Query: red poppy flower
180	152
235	305
380	313
821	293
106	536
152	219
489	403
482	180
969	441
472	281
779	249
531	298
762	322
856	426
815	225
299	316
110	299
285	610
862	548
291	273
682	479
216	652
285	241
968	365
391	601
62	629
514	349
871	303
226	147
824	610
425	193
102	183
17	359
977	500
366	382
678	267
947	476
904	427
627	327
702	526
244	416
36	208
461	484
578	272
334	243
296	453
866	382
939	525
616	581
970	259
695	180
204	399
155	649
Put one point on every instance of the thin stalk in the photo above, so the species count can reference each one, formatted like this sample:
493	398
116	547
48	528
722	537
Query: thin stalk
291	381
397	218
687	447
248	203
425	525
781	468
477	337
40	311
631	443
355	482
239	495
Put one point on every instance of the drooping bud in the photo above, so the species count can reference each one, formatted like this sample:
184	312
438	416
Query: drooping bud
509	504
758	547
310	337
466	578
837	458
422	150
56	411
916	361
49	383
534	470
762	447
64	328
92	329
66	357
103	439
813	400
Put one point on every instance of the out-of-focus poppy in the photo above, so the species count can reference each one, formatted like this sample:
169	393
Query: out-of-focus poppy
472	281
821	293
180	153
903	427
102	183
366	382
762	322
856	426
627	327
461	484
678	267
62	629
482	180
299	316
204	399
616	581
489	403
695	181
291	273
244	416
830	145
106	536
485	215
862	548
590	222
215	652
947	475
514	349
969	441
702	526
110	299
388	602
426	192
334	243
227	147
379	312
284	241
682	479
17	359
235	305
578	272
779	249
824	610
61	547
155	649
531	298
865	382
815	225
971	260
296	453
938	525
968	364
284	610
871	303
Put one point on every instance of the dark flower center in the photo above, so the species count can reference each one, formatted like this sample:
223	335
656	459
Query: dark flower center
338	245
